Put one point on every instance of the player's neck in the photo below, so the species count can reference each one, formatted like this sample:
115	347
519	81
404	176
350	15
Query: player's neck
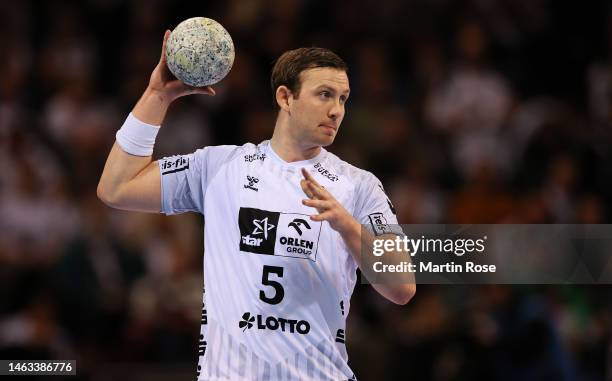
291	150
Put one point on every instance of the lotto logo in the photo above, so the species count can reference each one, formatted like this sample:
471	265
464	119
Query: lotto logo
273	323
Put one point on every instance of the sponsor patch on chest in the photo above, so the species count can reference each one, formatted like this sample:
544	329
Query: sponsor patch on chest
274	233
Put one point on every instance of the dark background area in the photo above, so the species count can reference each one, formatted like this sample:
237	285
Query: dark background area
468	111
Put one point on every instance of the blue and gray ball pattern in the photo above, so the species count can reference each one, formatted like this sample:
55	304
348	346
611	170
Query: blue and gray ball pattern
199	52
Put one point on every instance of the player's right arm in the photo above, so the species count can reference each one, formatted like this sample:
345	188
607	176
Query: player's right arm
132	182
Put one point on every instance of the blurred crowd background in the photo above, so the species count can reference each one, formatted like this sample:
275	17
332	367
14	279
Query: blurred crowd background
470	111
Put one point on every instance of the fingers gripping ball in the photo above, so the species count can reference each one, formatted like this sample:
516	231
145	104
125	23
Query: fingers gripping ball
199	52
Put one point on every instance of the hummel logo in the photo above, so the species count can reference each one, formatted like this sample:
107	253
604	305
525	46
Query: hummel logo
252	181
262	226
247	321
297	223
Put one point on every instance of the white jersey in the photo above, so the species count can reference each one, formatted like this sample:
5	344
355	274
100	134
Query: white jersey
278	285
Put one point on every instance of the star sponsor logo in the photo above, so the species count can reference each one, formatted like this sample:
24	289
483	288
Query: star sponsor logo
257	230
262	227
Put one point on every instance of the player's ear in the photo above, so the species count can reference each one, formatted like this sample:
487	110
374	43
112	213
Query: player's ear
283	97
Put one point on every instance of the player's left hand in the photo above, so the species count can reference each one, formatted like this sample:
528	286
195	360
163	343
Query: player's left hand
325	203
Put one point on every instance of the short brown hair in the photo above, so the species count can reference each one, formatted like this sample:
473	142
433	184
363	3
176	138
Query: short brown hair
289	66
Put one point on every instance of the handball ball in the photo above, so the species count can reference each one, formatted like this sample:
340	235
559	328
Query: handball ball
199	52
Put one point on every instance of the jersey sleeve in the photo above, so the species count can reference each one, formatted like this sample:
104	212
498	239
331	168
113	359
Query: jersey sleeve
184	178
373	208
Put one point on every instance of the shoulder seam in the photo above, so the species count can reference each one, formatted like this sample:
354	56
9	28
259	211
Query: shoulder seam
236	153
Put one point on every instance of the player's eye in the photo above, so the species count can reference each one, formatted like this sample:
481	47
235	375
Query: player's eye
325	94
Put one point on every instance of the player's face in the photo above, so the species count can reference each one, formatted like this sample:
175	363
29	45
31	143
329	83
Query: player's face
317	112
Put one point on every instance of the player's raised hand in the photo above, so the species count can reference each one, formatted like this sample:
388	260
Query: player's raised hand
166	85
325	203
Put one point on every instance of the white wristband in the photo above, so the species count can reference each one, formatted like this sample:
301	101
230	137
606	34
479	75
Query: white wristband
136	137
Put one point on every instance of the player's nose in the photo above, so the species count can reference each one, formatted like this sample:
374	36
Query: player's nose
336	111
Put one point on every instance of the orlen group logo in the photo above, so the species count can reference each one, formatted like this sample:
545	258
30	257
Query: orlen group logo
298	224
273	323
298	245
298	236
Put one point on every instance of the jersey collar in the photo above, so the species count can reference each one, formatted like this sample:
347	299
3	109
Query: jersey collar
270	152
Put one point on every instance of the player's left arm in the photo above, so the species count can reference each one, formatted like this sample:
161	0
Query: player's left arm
356	238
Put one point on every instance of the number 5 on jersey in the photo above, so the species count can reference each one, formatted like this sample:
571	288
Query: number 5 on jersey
279	292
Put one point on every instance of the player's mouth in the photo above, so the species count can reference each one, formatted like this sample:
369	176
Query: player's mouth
330	129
